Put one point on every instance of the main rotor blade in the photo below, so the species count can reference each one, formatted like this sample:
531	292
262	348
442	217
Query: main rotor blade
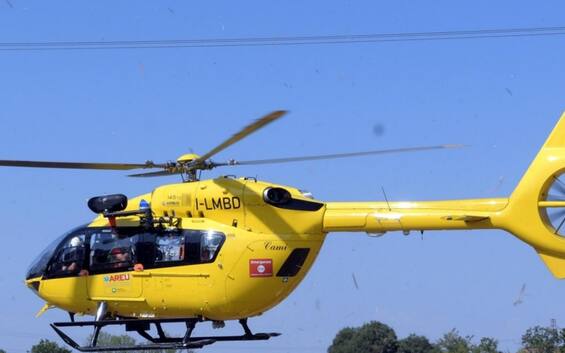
334	156
152	174
79	165
246	131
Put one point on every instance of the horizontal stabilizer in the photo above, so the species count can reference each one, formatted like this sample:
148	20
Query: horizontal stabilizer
555	264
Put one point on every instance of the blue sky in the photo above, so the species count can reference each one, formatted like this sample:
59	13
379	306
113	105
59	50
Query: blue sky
500	96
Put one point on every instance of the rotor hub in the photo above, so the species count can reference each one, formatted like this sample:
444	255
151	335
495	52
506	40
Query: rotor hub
188	157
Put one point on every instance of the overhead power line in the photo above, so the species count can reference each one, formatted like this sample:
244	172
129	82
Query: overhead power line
284	41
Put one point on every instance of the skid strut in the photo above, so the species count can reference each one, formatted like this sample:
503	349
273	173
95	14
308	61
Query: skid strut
161	341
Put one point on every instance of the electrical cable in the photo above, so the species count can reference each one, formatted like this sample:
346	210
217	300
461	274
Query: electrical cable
284	41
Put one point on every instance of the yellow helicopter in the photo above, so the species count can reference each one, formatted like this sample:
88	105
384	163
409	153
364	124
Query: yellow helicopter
232	248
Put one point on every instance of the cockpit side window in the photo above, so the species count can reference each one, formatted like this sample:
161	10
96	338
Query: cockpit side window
111	250
203	246
69	258
210	243
170	248
175	247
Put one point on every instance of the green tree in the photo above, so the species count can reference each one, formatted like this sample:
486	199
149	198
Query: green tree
343	341
415	344
376	337
46	346
539	339
373	337
453	342
2	351
109	340
487	345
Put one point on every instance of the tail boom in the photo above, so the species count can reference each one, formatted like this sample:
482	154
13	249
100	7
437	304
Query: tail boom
380	217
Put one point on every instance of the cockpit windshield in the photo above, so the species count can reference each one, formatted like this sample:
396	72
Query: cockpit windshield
39	265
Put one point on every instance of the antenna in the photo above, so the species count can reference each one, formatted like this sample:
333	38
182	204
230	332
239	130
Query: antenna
386	198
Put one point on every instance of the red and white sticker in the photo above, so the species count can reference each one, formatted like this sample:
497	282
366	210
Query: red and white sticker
260	268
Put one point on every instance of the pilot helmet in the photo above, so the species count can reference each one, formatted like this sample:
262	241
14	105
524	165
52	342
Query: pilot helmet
75	241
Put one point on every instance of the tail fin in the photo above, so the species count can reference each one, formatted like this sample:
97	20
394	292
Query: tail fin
536	210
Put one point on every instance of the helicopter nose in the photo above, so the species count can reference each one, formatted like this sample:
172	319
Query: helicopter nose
34	284
33	277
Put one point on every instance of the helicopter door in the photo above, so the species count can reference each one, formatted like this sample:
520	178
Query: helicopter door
112	259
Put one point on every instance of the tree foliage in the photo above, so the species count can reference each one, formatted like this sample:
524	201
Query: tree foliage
539	339
46	346
373	337
487	345
453	342
380	338
109	340
416	344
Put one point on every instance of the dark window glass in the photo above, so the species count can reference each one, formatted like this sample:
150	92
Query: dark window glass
86	251
39	265
293	263
122	248
112	250
170	247
210	243
203	245
69	259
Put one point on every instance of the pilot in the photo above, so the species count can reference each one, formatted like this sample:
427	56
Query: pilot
119	256
75	254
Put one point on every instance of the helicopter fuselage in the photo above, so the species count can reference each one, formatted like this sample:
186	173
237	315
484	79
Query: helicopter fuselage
266	249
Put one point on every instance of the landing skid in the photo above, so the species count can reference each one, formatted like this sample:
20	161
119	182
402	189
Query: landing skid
161	341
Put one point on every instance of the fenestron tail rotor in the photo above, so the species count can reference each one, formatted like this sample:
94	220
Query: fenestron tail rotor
553	204
188	165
